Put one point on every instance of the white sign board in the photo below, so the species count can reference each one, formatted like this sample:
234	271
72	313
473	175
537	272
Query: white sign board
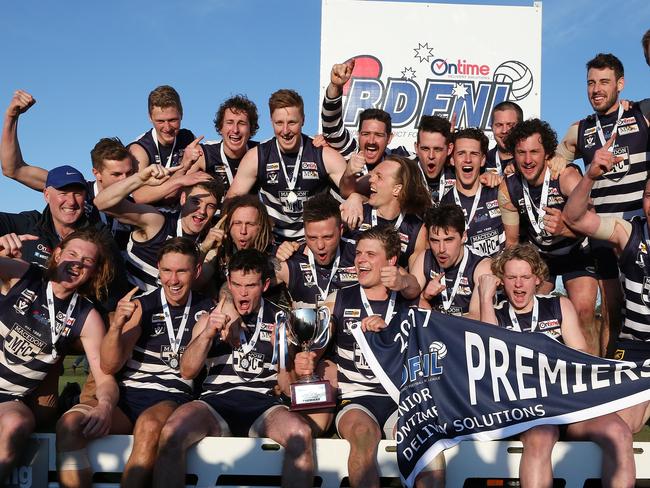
415	59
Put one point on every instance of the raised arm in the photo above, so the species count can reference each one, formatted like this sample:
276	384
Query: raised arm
13	164
337	136
487	289
571	330
509	215
246	176
97	422
585	221
337	170
113	200
123	333
483	268
204	333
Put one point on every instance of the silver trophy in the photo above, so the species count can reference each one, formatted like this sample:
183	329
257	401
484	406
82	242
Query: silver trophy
309	327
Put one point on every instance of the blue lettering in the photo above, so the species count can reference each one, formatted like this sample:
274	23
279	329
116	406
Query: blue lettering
363	94
402	101
438	96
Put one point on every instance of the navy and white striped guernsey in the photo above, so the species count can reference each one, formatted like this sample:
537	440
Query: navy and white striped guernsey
491	162
149	366
223	170
355	377
159	154
25	335
618	193
461	301
273	187
408	230
230	369
549	321
119	231
142	257
634	264
485	230
545	243
301	285
433	184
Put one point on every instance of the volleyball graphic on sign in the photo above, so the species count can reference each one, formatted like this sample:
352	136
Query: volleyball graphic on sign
439	347
518	75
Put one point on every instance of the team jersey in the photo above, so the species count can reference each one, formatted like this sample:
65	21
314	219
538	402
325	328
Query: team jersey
283	204
545	243
142	257
453	302
634	264
118	230
26	350
484	226
168	156
408	226
493	162
618	193
549	321
219	165
355	378
249	366
440	185
309	284
154	365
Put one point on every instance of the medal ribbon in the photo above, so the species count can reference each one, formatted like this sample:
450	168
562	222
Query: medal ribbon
533	321
247	346
52	311
312	269
477	198
291	183
447	301
537	223
368	308
168	163
599	128
175	342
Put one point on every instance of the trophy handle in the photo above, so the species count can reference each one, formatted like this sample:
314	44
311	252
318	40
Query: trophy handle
323	336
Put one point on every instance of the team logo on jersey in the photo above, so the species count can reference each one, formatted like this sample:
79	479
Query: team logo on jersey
170	358
295	206
645	293
158	330
198	314
628	129
309	165
486	243
620	169
361	364
23	344
25	299
308	279
590	142
249	366
272	178
364	226
589	131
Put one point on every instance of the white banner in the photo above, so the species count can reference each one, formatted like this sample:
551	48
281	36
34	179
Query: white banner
415	59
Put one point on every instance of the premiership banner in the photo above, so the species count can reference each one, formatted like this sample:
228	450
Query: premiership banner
415	59
456	379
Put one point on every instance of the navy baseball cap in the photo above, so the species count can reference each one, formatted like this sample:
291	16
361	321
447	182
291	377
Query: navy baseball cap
63	176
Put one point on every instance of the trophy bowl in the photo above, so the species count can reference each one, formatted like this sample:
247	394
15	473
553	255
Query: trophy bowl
310	327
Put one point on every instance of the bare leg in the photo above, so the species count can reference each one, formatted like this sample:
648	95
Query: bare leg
70	438
185	427
139	467
614	437
363	434
434	474
16	425
292	432
636	416
535	468
582	293
611	296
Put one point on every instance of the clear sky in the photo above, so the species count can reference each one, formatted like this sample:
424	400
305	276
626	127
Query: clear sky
91	65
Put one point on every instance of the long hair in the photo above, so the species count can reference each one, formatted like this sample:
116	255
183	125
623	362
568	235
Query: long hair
97	285
414	198
264	235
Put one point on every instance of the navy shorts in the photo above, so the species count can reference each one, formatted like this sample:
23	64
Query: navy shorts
382	409
577	263
134	401
629	350
4	397
242	411
605	258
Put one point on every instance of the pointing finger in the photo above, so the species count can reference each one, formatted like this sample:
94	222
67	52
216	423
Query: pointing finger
611	140
129	295
27	237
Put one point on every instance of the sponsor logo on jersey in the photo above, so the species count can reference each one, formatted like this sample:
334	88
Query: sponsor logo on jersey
403	237
310	175
548	324
309	165
589	130
273	167
625	121
158	317
305	267
266	332
492	204
352	312
628	129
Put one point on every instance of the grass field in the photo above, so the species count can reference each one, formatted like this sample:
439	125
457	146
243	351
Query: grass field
70	375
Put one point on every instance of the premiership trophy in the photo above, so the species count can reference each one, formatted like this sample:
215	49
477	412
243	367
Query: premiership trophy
310	326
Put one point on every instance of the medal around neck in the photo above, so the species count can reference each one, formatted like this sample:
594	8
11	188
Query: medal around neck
309	327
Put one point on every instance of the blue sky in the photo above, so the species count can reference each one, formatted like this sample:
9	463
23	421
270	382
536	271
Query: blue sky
90	65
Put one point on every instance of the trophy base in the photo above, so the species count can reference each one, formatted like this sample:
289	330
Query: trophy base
312	395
